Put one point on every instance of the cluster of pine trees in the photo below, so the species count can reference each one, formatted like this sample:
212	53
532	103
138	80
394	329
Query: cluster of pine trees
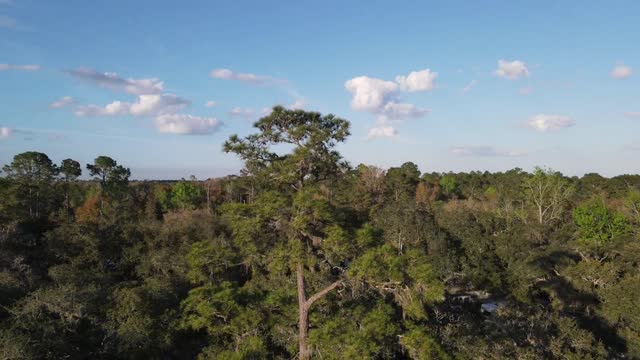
303	256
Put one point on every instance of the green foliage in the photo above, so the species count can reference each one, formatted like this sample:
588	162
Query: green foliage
375	262
597	223
448	185
420	346
186	195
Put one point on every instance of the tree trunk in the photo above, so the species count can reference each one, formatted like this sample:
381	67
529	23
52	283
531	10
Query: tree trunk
303	312
304	306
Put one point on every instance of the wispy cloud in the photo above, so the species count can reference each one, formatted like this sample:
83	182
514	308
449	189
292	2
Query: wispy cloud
482	150
62	102
6	67
211	103
5	132
227	74
113	81
246	113
469	86
632	114
526	90
620	71
545	123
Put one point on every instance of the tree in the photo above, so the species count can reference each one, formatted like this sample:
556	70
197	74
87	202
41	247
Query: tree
32	174
70	171
113	178
547	191
597	223
401	182
186	195
312	160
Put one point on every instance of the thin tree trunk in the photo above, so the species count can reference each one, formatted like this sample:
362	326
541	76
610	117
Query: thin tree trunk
304	306
303	321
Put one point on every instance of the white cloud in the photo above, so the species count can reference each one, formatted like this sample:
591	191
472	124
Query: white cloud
620	72
379	97
632	114
512	70
210	104
5	132
467	150
544	123
401	111
112	81
370	94
184	124
423	80
5	67
147	105
62	102
241	112
469	86
222	74
297	105
382	131
254	79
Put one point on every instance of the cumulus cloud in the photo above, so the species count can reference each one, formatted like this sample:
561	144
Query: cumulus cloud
246	113
382	131
511	70
423	80
469	86
184	124
62	102
227	74
5	132
370	94
380	97
544	123
210	104
113	81
620	72
489	151
5	67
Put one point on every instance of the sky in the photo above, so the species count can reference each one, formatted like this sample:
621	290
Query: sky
451	86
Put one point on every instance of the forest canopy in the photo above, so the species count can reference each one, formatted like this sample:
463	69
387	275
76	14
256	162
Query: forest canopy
305	256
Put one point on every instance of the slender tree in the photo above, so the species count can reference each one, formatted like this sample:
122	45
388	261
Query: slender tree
313	159
70	171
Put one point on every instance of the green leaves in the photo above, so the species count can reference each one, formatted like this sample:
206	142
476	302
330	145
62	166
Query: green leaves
408	277
597	223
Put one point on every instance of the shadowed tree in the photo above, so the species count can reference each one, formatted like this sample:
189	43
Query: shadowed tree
70	171
32	174
112	177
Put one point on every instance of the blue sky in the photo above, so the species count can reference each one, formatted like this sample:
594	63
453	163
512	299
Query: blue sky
456	85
